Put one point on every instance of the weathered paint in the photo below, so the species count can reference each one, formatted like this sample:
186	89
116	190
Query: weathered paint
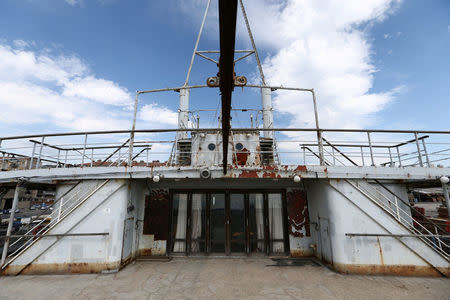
298	217
105	211
181	172
63	268
241	157
301	252
156	217
394	270
338	208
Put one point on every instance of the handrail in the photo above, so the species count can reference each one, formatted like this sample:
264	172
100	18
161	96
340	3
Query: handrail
412	222
347	130
399	219
51	225
46	210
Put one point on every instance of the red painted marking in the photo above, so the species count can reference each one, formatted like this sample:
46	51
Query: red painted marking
298	213
249	174
241	157
301	168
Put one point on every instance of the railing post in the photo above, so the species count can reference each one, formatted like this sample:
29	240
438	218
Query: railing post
40	152
60	208
390	157
334	158
426	153
437	237
120	155
10	224
133	128
418	150
92	157
65	159
147	157
444	181
370	147
397	208
84	149
399	159
304	155
319	132
3	158
362	156
57	161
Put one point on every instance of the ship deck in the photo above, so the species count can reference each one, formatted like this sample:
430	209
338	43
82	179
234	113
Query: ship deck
228	278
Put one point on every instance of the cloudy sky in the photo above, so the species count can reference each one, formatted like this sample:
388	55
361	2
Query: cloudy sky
69	65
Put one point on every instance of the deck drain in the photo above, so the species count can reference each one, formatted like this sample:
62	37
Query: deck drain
294	262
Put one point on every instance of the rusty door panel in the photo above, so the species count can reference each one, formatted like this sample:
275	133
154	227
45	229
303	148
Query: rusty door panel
298	216
156	217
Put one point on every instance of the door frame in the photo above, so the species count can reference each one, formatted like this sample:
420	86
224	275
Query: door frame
227	192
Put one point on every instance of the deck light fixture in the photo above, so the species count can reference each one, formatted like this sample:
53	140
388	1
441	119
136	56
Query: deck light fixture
297	179
156	178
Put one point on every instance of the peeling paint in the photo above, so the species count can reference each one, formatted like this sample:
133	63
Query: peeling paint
298	217
396	270
62	268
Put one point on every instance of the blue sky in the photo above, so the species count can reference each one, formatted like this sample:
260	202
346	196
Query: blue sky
75	64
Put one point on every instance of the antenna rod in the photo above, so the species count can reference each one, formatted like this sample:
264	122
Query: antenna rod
196	43
263	79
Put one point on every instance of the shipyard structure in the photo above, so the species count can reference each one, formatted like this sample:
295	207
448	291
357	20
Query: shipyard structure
343	196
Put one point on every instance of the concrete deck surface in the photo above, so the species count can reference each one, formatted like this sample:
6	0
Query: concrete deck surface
227	278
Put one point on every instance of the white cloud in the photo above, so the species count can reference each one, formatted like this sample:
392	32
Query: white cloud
73	2
57	92
21	44
101	90
156	115
322	45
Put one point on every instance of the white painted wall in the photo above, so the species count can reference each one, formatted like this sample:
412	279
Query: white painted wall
339	216
105	211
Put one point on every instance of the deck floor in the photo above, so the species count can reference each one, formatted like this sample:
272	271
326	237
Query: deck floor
226	278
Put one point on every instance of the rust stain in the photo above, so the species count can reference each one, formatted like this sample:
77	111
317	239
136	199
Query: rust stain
301	252
62	268
145	252
258	155
298	216
381	251
249	174
397	270
241	157
300	168
271	175
270	167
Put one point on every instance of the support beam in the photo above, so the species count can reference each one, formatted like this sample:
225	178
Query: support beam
10	224
227	29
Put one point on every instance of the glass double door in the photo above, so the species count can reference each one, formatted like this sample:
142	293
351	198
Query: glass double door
228	222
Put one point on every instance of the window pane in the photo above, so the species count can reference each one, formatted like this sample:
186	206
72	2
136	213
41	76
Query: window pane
276	228
179	218
256	222
218	223
237	214
198	223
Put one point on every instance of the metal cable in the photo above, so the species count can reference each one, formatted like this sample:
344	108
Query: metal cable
253	42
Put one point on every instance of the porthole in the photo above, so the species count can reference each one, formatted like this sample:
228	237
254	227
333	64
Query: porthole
239	146
212	147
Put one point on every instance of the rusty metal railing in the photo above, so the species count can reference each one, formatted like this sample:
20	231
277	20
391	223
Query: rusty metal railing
387	148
